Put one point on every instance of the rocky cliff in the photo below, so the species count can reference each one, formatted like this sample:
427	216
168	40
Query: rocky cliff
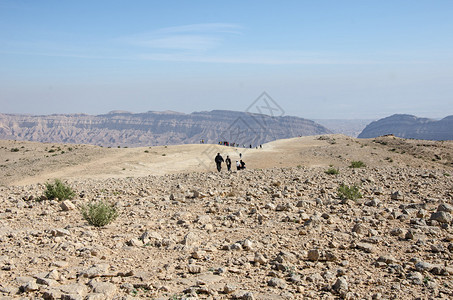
408	126
121	128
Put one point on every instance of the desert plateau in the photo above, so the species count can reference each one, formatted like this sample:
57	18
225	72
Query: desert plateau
280	229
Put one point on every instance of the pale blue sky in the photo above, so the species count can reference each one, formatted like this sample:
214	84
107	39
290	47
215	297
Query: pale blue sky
317	59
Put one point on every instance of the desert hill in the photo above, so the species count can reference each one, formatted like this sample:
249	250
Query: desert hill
32	162
280	229
408	126
120	128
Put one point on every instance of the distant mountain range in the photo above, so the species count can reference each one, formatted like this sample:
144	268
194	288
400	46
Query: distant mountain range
120	128
408	126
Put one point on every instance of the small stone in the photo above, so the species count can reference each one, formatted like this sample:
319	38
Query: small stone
295	278
396	232
397	196
208	227
229	288
67	205
304	217
277	282
341	285
259	258
96	296
60	264
199	254
330	256
134	242
368	248
445	207
248	296
387	259
47	281
194	269
204	219
153	238
313	255
423	266
30	286
76	289
270	206
441	217
105	288
285	257
410	235
236	246
421	213
247	244
129	287
416	278
60	232
95	271
191	239
373	202
53	275
359	228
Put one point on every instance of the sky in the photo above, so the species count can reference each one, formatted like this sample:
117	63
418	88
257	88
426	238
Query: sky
318	59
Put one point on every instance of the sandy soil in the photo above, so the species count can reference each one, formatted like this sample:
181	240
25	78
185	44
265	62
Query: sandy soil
37	162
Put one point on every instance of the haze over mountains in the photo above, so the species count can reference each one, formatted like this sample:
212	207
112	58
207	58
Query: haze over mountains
119	128
122	128
409	126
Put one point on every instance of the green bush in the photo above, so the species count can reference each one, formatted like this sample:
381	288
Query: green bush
357	164
332	171
15	150
347	192
99	213
58	190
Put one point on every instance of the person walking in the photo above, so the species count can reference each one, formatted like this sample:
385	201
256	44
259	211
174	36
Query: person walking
228	163
218	160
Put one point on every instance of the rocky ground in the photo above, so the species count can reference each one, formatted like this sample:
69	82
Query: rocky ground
268	232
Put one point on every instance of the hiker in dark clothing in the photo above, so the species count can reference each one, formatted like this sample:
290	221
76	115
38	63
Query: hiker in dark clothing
218	160
228	163
242	165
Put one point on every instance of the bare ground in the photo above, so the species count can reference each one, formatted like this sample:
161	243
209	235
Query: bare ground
277	230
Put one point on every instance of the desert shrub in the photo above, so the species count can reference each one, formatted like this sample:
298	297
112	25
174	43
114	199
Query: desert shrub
58	190
347	192
99	213
332	171
357	164
15	150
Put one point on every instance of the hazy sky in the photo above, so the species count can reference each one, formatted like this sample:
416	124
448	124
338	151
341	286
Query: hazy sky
316	59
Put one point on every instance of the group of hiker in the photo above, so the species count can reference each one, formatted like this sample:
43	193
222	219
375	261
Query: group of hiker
240	165
227	143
